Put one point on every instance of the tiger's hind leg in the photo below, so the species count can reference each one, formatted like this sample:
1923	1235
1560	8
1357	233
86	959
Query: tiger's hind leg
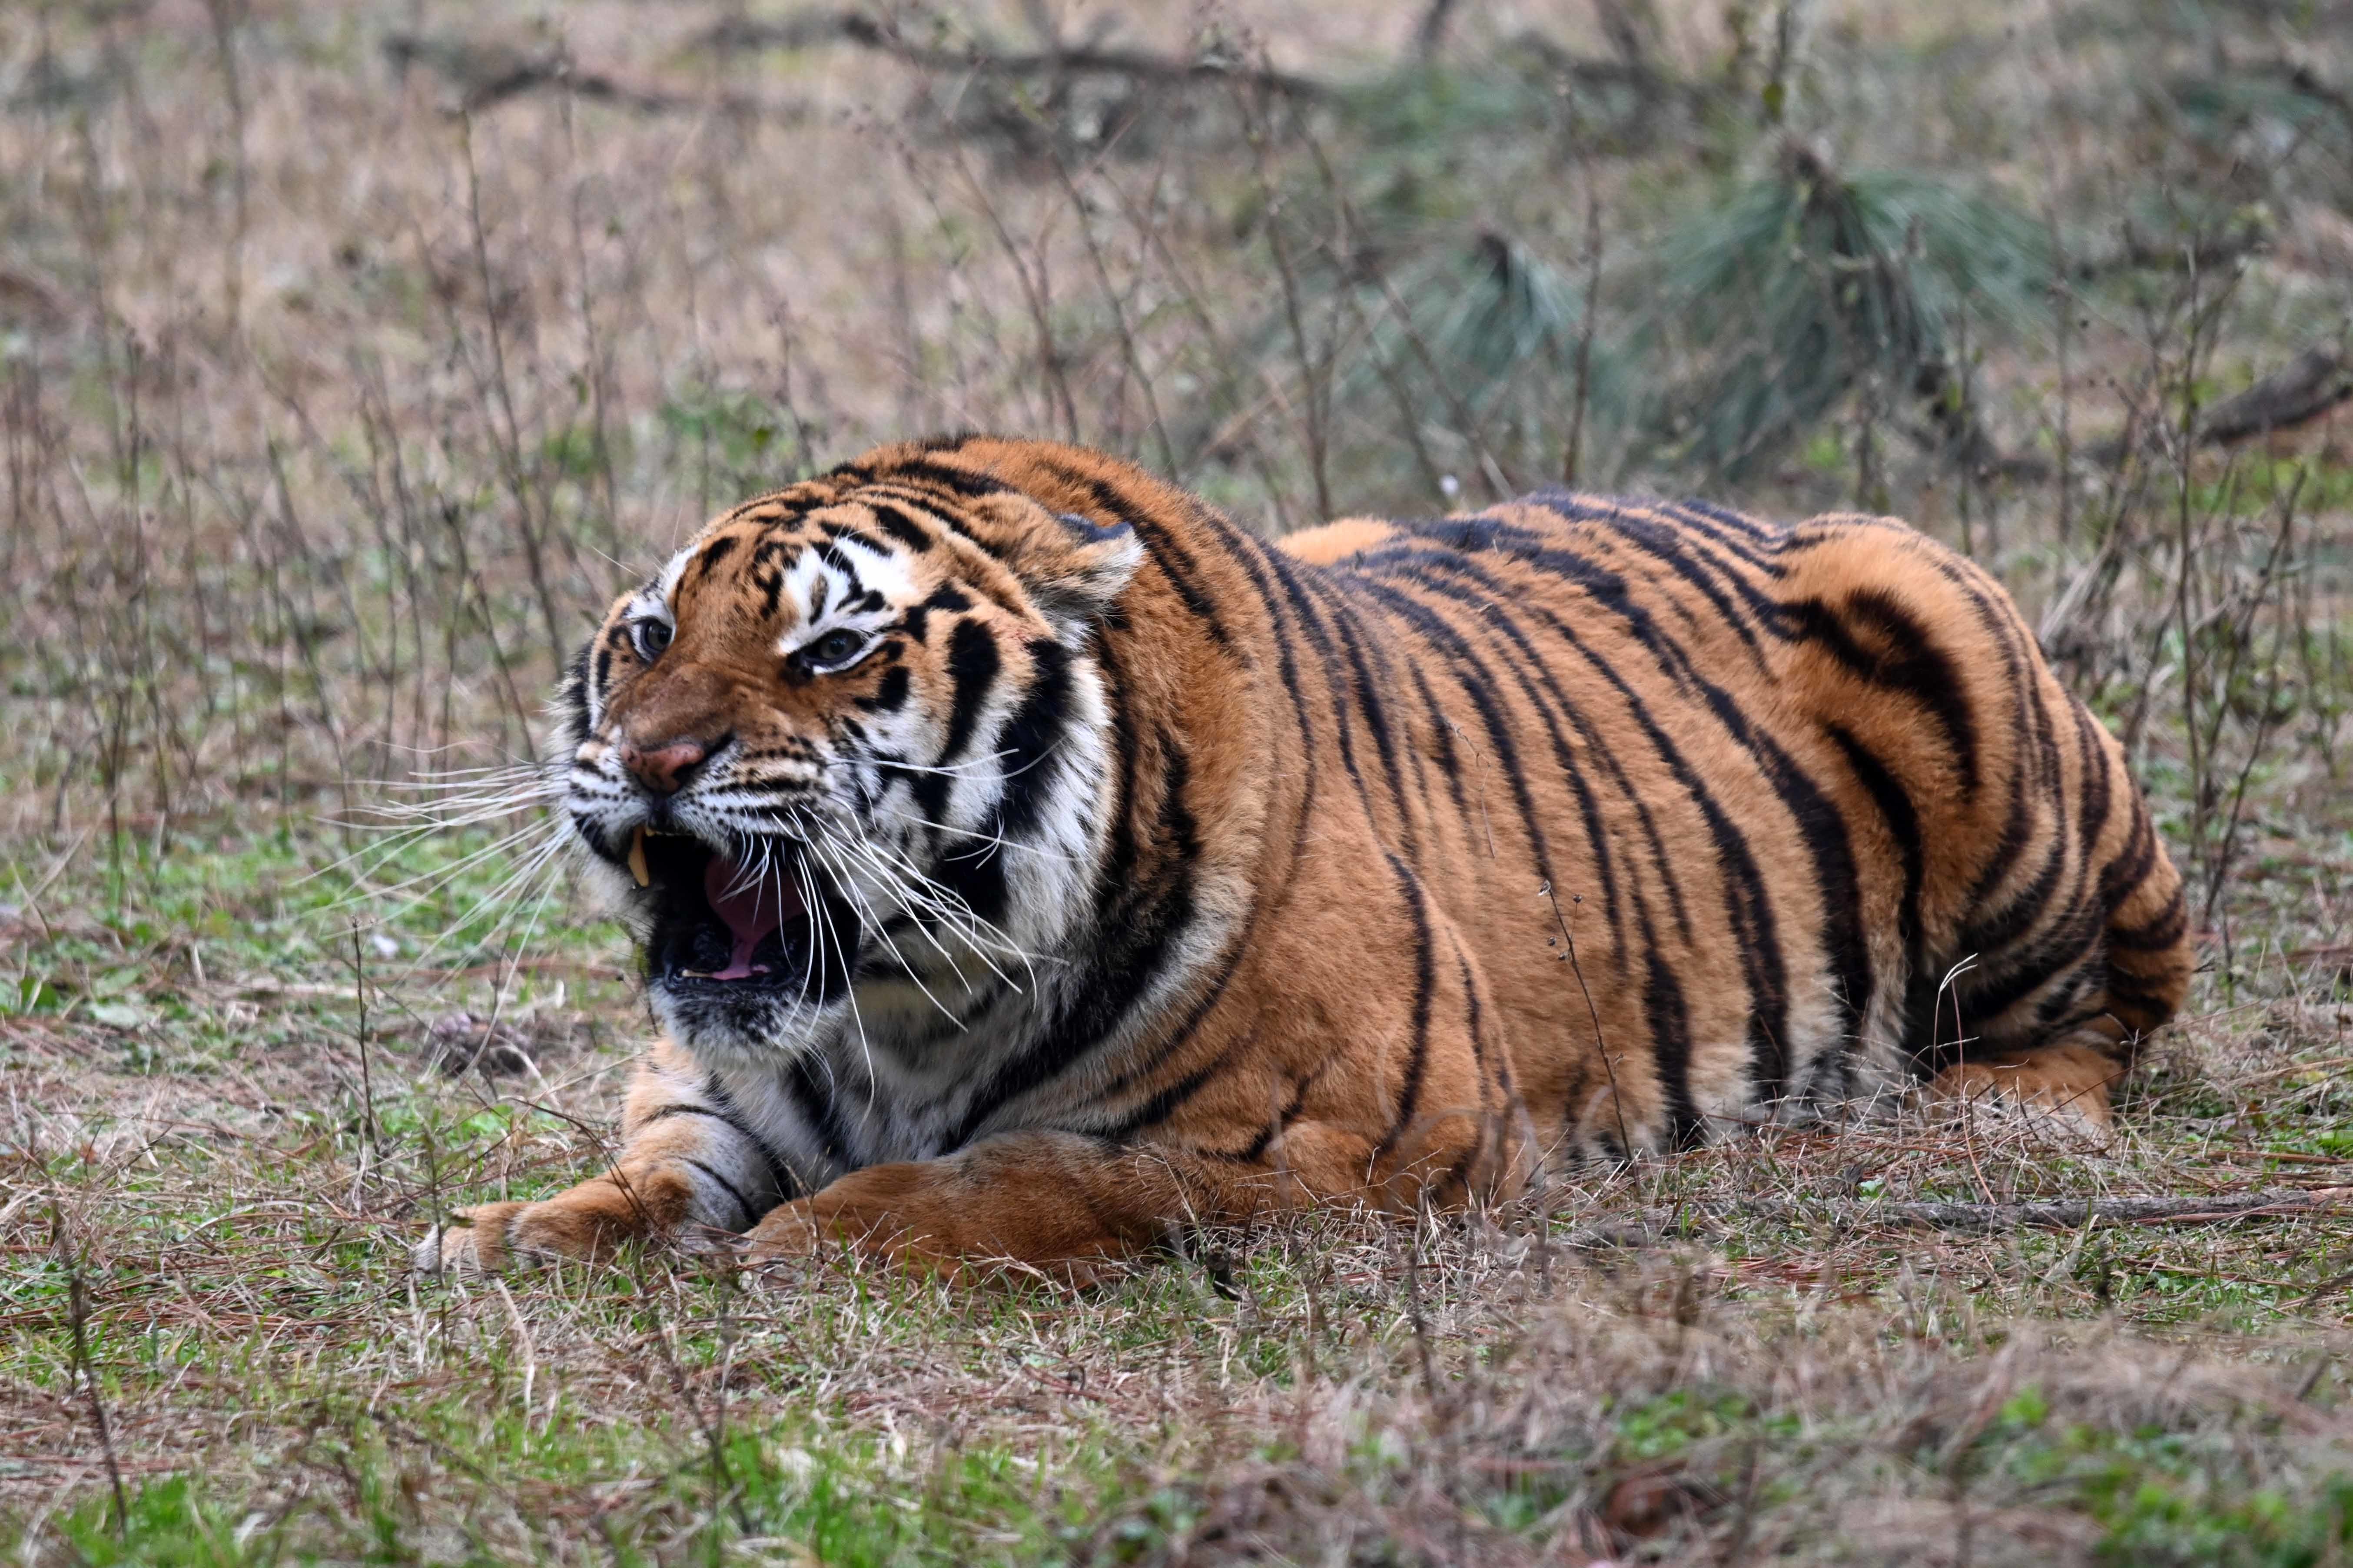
2060	1087
2058	1011
2134	976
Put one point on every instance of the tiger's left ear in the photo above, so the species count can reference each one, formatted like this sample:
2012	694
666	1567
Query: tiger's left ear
1074	580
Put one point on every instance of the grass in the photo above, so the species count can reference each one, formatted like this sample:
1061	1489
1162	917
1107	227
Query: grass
337	392
1721	1353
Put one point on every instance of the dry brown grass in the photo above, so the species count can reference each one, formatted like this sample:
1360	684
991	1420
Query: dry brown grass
342	383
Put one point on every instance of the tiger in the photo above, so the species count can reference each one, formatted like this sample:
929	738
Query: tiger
1032	866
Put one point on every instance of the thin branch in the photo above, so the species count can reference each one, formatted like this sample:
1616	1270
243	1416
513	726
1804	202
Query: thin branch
85	1371
488	74
1430	33
822	26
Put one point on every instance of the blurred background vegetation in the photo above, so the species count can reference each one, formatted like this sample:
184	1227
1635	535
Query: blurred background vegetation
352	356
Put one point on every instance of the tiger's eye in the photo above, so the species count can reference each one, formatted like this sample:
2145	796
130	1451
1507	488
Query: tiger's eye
835	646
650	636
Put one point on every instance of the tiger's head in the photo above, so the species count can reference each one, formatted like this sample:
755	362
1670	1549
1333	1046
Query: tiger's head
847	751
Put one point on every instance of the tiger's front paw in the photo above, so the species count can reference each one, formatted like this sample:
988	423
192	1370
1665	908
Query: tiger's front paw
587	1224
480	1240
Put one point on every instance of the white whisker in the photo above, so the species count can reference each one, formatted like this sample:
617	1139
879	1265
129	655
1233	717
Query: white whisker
850	885
505	892
438	876
975	833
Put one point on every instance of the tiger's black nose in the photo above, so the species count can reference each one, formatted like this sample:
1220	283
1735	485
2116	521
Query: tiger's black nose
664	769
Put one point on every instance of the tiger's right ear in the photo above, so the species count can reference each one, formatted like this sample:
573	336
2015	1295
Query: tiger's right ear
1076	579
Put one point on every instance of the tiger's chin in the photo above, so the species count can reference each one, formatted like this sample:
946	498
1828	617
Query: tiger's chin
739	961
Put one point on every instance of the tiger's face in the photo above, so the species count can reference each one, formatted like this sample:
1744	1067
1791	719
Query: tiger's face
841	761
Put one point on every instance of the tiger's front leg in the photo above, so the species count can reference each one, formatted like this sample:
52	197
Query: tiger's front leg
587	1222
1056	1201
1064	1202
687	1164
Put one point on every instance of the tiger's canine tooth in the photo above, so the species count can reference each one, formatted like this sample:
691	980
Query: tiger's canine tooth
637	857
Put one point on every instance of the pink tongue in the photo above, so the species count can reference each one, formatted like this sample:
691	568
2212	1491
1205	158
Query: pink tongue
752	910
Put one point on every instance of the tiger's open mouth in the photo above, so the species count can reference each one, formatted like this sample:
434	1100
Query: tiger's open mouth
721	924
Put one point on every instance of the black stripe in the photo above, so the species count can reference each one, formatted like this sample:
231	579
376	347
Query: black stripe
1473	1013
2066	948
1425	983
1293	577
1912	663
778	1172
947	596
1902	820
1028	737
713	553
1441	739
1734	530
890	693
1671	1043
971	662
900	526
1370	707
743	1203
2121	876
1257	560
814	1101
939	476
2062	1003
1993	932
1258	1146
1164	1103
1138	928
2161	933
833	556
1123	849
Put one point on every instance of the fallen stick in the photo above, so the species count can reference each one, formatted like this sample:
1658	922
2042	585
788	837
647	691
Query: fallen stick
2062	1214
2316	381
2312	383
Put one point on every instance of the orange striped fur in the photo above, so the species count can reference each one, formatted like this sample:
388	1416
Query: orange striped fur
1131	872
